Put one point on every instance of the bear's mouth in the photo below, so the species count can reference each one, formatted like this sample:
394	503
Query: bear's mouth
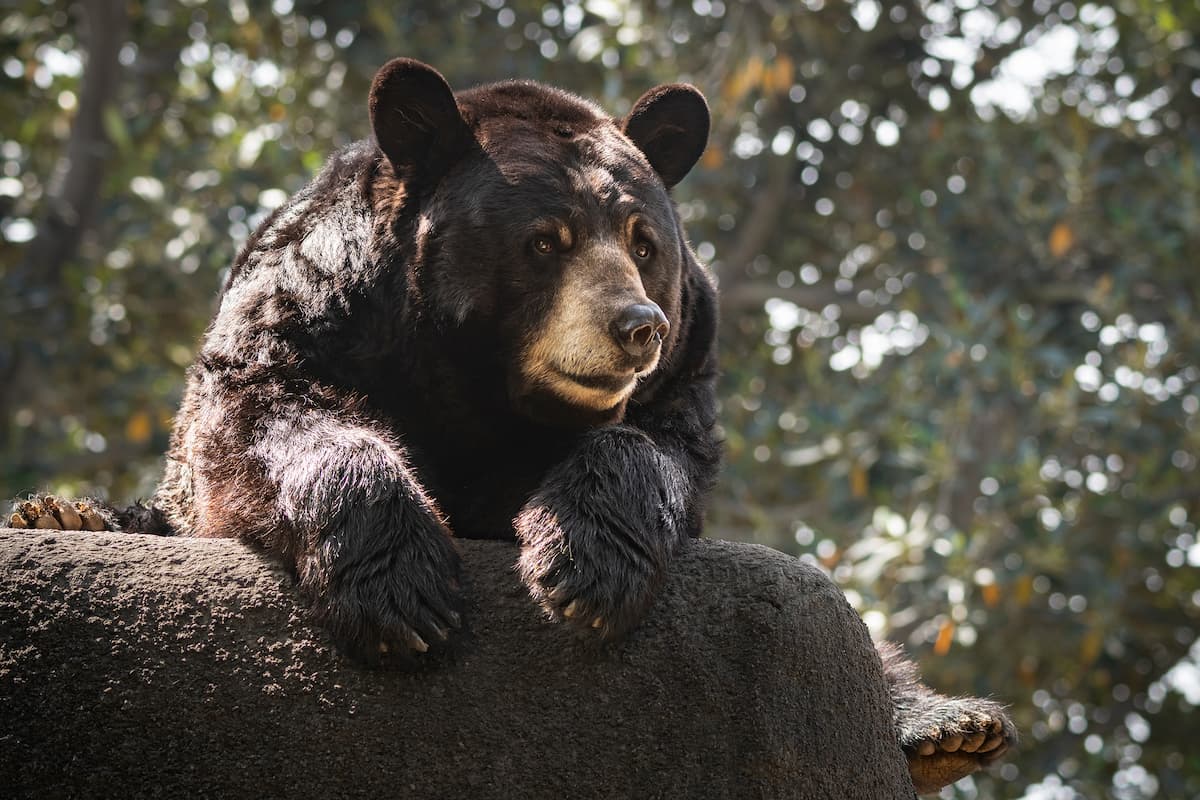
611	383
591	391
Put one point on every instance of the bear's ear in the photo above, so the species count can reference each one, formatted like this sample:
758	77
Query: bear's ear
669	124
416	120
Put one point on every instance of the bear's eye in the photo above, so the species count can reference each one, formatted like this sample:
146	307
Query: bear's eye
642	251
543	245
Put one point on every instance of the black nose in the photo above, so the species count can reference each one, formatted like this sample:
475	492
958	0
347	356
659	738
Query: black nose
640	328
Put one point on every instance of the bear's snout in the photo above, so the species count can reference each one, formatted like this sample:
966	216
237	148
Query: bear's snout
640	329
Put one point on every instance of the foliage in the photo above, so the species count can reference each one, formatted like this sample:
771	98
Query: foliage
960	317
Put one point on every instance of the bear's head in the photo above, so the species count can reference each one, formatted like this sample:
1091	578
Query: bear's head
544	228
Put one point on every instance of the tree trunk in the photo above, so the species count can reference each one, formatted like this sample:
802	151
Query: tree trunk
133	666
67	212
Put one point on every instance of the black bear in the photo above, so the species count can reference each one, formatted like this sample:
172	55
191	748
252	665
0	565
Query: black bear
487	320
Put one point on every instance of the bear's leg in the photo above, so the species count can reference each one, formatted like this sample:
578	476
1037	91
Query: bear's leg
598	535
943	738
369	545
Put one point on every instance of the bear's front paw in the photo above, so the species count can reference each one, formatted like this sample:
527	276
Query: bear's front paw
958	737
593	576
390	607
49	513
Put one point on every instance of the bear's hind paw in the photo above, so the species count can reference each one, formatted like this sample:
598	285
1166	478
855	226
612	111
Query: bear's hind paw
47	512
974	736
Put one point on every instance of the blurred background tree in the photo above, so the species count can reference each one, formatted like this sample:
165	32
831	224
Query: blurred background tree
955	243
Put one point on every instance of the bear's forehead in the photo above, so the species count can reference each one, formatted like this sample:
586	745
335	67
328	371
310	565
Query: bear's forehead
531	102
534	132
601	163
573	184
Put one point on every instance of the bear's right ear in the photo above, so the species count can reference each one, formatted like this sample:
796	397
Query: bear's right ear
416	120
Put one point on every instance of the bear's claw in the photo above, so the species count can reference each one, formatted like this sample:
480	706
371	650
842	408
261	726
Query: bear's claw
609	618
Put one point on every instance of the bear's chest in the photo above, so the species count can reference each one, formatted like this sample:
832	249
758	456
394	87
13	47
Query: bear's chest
481	480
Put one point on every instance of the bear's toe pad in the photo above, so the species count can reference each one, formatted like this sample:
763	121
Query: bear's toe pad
972	735
50	513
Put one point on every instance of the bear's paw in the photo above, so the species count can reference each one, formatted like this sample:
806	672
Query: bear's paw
956	738
48	512
393	607
595	578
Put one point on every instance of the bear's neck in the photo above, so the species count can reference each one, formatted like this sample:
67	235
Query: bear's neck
480	459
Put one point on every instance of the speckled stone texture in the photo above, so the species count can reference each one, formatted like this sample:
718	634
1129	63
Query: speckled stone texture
135	666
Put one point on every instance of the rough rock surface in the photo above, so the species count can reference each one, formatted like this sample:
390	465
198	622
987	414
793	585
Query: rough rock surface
135	666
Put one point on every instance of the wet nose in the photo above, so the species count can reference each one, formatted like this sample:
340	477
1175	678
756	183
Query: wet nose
640	328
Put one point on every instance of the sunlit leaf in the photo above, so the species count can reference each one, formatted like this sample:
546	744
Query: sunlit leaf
945	637
1061	239
1093	640
859	481
138	428
713	158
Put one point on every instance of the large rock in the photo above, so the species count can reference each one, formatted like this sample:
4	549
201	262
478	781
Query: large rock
142	666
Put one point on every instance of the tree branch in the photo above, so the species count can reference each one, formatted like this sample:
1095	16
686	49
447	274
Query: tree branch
751	295
762	221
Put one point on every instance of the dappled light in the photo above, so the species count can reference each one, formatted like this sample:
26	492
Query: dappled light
955	244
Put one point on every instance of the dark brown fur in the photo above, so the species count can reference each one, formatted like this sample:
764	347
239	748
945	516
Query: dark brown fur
358	397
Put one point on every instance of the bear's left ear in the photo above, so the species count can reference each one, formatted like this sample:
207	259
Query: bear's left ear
417	122
669	124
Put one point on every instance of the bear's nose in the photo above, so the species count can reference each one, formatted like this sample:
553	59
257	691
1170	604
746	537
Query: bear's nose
640	328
